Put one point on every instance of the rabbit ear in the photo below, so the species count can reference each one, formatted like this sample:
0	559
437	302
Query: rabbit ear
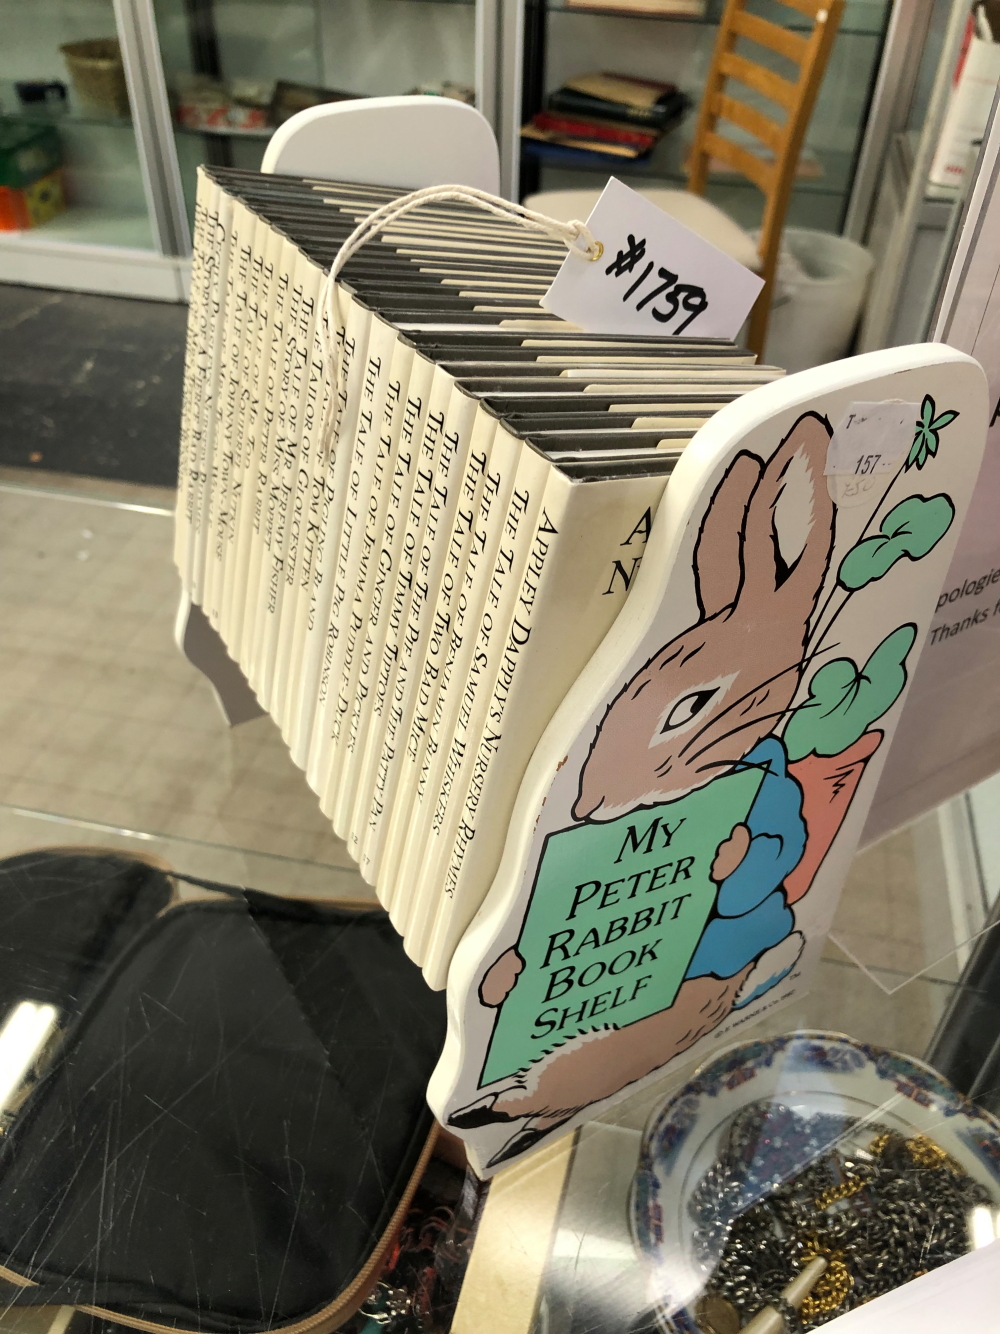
718	553
790	526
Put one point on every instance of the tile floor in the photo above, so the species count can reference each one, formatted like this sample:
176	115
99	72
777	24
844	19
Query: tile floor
90	384
102	720
105	727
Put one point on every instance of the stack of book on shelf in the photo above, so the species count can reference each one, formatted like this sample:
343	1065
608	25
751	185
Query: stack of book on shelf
411	553
688	9
600	119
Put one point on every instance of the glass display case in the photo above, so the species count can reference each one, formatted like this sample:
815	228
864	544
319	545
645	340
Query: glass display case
566	38
78	168
918	205
209	80
235	69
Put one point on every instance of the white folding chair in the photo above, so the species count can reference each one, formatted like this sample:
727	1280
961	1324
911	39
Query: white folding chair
402	141
405	141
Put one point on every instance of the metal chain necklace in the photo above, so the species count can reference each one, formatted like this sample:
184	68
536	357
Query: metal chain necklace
880	1208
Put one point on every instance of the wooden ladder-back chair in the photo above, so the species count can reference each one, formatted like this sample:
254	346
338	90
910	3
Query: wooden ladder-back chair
797	98
782	139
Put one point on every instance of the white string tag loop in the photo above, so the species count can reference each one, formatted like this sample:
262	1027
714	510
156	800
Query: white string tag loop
575	235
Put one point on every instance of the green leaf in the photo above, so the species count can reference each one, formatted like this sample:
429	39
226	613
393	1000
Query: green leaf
911	529
927	437
843	702
946	418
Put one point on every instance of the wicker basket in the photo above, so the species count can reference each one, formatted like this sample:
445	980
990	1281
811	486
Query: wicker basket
98	75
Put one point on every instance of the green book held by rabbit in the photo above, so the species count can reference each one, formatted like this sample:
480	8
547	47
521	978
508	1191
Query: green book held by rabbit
616	915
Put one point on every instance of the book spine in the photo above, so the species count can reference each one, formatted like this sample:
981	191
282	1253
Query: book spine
264	449
287	443
441	626
241	439
326	636
357	650
254	441
446	458
403	418
427	439
513	551
588	547
592	129
353	323
220	249
195	354
308	463
582	105
373	368
455	670
310	543
225	407
493	504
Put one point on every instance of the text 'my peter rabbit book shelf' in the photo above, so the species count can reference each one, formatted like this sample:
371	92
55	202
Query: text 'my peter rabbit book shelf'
685	825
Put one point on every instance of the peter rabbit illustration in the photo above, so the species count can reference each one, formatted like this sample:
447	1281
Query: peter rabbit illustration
709	706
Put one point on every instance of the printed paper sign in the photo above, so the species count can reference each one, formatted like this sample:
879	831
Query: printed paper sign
949	734
655	276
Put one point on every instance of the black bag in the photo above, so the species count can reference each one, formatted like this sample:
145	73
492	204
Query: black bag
65	915
230	1133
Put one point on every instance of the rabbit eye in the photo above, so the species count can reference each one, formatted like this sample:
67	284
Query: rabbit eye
687	708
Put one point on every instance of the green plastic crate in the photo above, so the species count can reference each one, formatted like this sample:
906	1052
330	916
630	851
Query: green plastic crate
27	152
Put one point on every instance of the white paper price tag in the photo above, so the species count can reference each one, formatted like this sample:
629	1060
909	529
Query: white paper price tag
655	276
872	440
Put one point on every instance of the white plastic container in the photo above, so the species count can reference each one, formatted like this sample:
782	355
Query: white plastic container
818	300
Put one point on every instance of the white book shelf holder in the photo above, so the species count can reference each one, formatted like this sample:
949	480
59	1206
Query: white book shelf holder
684	828
685	825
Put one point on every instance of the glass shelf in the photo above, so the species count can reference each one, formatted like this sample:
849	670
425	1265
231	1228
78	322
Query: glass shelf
120	748
84	224
106	207
665	164
225	131
70	113
131	739
860	19
814	204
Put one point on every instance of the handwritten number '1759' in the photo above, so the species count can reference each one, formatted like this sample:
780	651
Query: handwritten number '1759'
683	296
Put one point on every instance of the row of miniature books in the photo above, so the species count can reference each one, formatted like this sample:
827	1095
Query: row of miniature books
412	546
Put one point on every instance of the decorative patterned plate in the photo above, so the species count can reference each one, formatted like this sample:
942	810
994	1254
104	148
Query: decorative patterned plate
816	1075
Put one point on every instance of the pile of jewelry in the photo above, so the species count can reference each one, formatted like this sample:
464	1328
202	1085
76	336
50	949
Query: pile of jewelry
881	1208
